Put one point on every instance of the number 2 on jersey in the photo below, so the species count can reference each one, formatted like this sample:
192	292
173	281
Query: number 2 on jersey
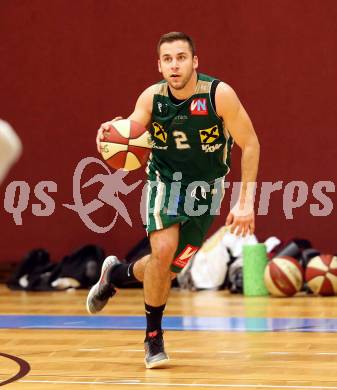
181	140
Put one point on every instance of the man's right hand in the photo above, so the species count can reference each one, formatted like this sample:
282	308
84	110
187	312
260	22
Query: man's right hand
104	126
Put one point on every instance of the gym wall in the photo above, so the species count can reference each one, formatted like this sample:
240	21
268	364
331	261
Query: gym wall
66	66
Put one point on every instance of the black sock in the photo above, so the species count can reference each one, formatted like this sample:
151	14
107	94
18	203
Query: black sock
154	315
122	275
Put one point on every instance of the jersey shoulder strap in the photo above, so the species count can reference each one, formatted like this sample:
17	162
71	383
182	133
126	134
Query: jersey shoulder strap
161	88
207	84
214	85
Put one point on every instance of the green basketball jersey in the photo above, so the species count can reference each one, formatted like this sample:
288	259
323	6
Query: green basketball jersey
188	137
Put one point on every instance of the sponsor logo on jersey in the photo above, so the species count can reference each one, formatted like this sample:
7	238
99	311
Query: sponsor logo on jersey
179	119
183	258
199	107
207	136
210	148
159	132
154	146
162	109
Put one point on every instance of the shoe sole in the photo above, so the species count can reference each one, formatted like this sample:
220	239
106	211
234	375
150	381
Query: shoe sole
159	363
105	265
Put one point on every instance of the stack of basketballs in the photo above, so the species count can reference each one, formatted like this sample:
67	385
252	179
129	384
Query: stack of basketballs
298	267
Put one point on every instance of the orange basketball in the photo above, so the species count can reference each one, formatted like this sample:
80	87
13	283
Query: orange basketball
283	276
321	275
126	145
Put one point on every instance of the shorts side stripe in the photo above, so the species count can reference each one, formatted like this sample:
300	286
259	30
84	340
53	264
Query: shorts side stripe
158	202
148	192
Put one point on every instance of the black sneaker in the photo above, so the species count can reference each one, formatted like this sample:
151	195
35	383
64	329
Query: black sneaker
155	355
100	293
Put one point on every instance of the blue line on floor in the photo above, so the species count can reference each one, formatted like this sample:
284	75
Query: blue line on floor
226	324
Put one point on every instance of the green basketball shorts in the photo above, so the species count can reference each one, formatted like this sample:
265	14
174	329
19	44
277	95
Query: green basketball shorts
193	206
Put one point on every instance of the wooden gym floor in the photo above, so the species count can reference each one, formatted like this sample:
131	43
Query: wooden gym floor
217	340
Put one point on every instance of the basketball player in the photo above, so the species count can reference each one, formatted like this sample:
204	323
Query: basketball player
193	120
10	148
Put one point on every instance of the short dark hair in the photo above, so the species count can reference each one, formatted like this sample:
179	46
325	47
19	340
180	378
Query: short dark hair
176	36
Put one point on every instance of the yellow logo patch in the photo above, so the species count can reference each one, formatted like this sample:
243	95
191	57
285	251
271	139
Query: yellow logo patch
159	131
207	136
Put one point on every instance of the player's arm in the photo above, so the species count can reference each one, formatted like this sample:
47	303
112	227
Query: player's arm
143	109
238	123
141	114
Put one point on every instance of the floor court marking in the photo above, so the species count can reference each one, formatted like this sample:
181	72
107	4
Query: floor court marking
24	369
89	349
229	324
245	353
141	350
215	385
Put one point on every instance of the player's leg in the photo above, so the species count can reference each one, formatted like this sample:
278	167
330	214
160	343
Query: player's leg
163	227
115	274
103	290
125	274
157	283
172	248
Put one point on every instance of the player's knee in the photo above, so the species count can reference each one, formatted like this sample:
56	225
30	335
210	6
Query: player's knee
164	252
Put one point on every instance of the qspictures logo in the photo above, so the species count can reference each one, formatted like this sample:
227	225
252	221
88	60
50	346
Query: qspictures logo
17	196
198	197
